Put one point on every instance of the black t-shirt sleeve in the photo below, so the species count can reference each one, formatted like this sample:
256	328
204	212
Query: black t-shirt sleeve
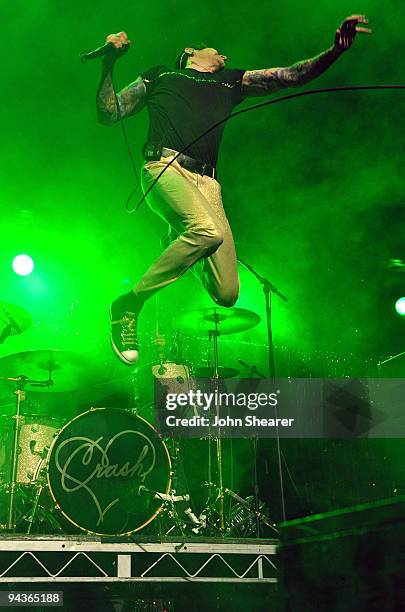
234	77
149	77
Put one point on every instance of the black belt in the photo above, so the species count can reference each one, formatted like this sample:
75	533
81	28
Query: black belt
155	152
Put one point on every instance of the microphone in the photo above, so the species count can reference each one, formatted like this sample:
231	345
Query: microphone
100	51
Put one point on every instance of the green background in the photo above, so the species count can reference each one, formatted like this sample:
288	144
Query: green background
313	187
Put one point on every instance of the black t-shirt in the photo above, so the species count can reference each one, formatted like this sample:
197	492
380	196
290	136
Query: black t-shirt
183	104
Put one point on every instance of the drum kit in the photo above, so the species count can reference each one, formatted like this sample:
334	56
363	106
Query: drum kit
107	471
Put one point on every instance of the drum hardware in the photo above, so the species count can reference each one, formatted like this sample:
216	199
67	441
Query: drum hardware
211	515
215	322
30	510
170	510
205	320
173	524
208	372
39	513
65	367
252	370
20	461
66	371
27	492
268	289
199	523
21	381
14	320
214	334
39	483
244	515
166	497
177	521
394	365
31	518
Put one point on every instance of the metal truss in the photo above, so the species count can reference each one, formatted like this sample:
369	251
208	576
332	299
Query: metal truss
52	559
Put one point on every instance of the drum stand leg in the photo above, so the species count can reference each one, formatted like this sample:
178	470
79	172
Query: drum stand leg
218	442
178	522
220	484
32	517
20	397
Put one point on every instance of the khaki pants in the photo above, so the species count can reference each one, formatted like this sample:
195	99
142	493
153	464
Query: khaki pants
191	204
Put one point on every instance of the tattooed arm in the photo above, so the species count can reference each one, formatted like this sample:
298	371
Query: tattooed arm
262	82
112	107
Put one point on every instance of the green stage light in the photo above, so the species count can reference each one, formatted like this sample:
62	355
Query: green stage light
23	265
400	306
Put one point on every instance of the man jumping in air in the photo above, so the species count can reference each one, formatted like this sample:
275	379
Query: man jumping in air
183	103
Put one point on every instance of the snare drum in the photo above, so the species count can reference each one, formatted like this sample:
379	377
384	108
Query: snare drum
104	470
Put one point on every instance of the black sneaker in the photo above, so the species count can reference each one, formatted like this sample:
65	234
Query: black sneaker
124	340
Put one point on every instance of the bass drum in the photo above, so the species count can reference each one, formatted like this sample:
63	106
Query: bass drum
100	467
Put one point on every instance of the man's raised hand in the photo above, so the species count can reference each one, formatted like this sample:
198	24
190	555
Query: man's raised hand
346	34
120	45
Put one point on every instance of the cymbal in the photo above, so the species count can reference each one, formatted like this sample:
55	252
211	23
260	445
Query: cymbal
68	371
222	372
226	320
13	320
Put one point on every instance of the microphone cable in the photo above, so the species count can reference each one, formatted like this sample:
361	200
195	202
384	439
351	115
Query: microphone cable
89	54
231	116
129	151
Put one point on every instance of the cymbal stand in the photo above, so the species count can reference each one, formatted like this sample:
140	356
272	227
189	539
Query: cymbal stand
214	335
268	290
20	397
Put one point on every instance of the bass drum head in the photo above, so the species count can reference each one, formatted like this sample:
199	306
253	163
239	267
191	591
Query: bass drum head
98	466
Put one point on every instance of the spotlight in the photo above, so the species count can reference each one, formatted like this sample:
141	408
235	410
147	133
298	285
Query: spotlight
23	265
400	306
